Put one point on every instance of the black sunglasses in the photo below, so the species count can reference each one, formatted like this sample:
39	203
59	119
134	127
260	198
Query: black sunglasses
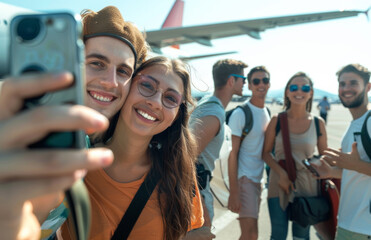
256	81
294	87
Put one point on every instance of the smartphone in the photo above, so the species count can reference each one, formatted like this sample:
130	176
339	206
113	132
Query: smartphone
50	43
310	167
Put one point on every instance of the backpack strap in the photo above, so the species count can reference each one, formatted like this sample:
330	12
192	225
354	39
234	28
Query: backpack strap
249	121
365	137
136	206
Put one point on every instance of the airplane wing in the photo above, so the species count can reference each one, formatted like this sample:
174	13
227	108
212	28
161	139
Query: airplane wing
203	34
194	57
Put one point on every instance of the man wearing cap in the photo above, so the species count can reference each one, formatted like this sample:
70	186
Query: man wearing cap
113	50
110	65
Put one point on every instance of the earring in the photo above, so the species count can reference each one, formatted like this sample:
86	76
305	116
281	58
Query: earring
155	144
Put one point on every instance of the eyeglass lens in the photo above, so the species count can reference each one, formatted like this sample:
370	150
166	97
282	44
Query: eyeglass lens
148	87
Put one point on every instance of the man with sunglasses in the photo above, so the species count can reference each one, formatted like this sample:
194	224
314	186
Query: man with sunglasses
352	164
207	123
245	162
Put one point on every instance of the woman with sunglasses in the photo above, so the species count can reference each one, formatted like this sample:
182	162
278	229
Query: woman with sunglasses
303	139
150	140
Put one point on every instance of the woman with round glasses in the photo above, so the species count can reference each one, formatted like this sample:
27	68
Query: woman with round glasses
150	140
303	140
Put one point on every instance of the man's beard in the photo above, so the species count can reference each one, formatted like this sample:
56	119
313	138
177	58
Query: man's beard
356	102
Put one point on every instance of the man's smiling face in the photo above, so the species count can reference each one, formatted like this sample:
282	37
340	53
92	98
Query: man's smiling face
109	67
352	90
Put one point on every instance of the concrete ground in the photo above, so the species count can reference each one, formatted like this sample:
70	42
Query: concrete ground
226	225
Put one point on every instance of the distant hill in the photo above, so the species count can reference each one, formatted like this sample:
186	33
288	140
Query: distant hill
278	94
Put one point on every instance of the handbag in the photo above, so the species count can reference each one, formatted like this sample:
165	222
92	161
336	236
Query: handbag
303	210
309	210
330	191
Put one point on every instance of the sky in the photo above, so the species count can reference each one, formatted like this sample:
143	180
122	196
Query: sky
319	49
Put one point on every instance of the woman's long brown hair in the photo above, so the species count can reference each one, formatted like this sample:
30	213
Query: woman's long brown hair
174	162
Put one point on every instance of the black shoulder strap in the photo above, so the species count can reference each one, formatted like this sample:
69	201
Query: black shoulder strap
136	206
278	124
365	137
318	130
249	121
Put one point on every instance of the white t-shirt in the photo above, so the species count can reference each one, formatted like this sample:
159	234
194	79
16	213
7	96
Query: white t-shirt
355	197
250	162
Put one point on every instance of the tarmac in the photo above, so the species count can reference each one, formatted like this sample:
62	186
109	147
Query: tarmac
225	223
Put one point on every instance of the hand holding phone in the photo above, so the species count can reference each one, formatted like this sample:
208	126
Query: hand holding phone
50	43
310	167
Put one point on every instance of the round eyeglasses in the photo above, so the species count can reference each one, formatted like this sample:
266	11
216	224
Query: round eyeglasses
148	86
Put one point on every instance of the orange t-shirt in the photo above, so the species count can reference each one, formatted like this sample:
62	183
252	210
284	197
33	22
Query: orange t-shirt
109	201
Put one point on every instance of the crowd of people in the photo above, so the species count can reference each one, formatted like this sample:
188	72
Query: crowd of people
147	135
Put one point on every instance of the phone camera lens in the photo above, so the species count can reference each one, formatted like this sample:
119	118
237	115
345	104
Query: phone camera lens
33	69
28	28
